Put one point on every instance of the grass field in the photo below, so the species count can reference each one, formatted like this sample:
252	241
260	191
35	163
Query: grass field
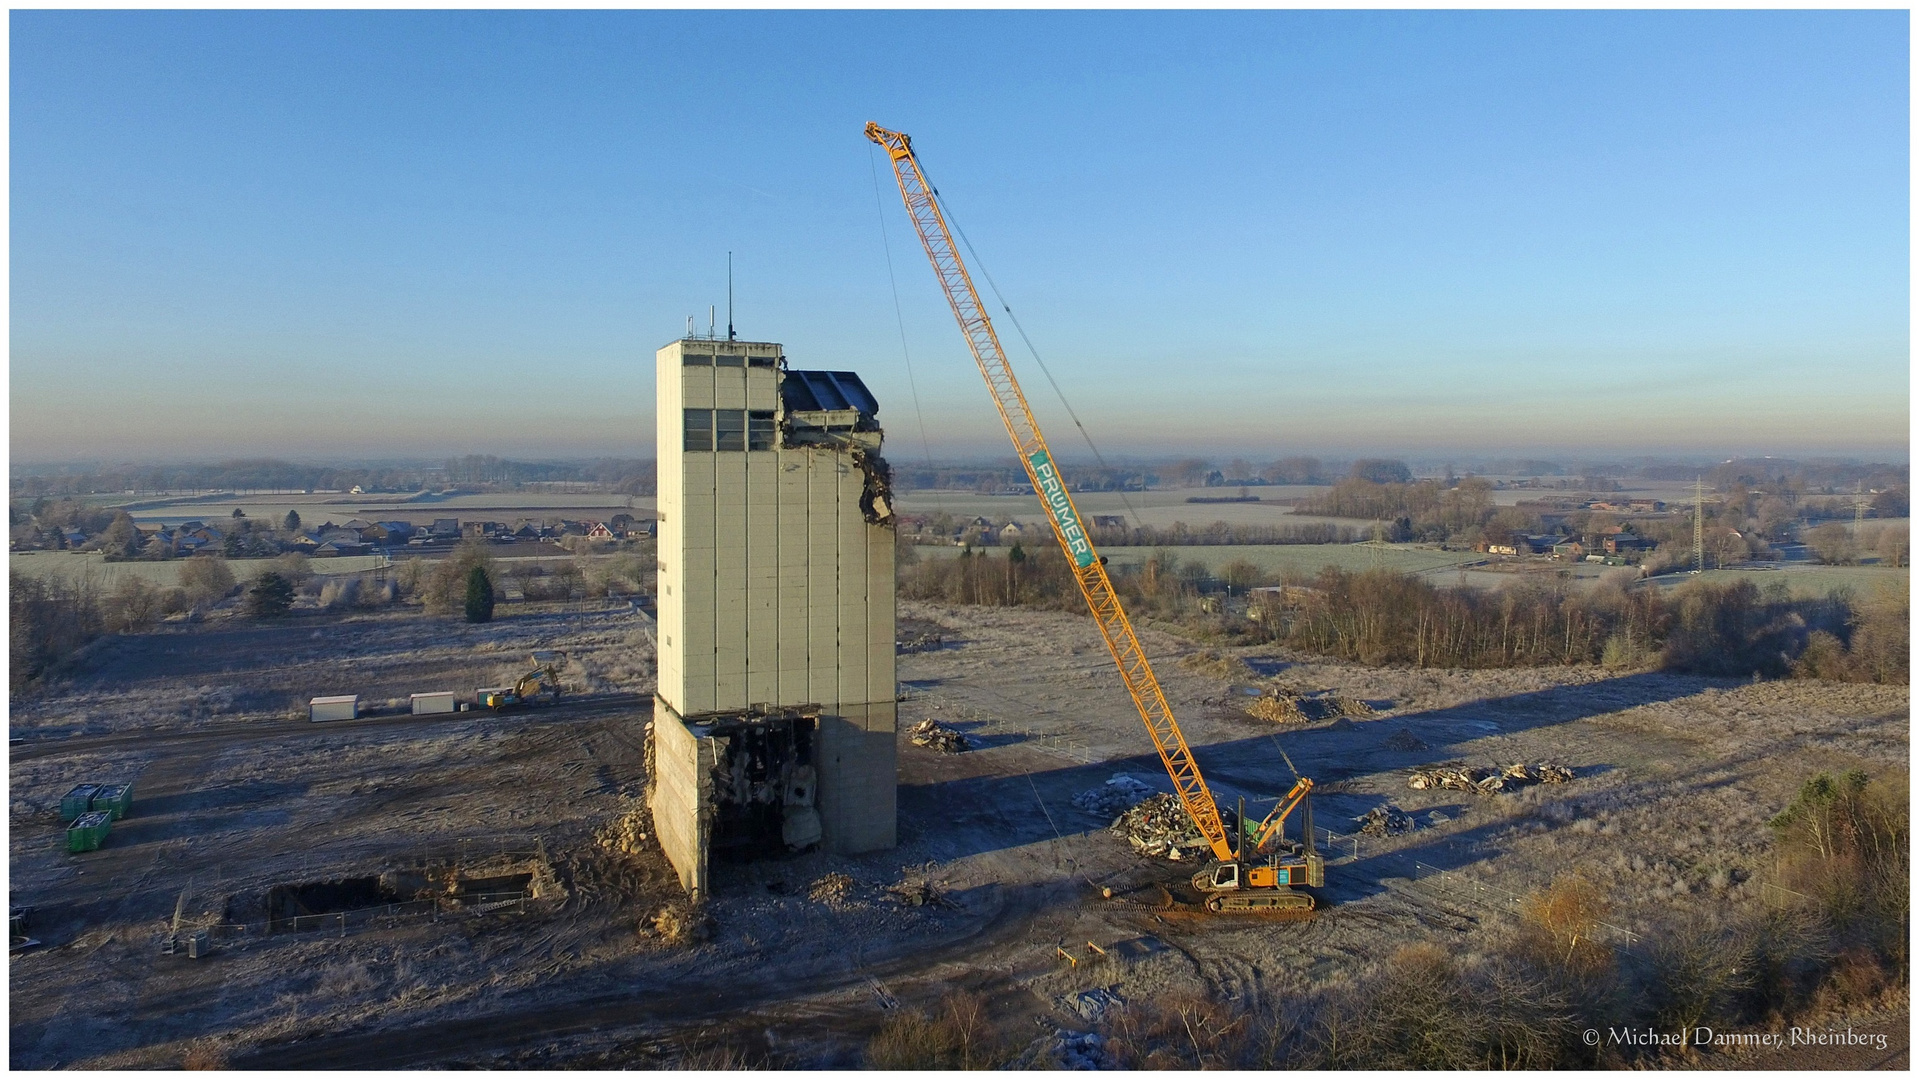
1277	558
1809	579
82	564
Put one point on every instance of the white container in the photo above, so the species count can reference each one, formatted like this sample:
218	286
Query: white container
427	704
343	707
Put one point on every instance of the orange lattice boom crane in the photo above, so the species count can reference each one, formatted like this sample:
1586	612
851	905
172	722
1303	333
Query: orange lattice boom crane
1254	870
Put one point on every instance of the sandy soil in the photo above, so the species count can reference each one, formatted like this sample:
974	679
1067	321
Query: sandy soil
1675	777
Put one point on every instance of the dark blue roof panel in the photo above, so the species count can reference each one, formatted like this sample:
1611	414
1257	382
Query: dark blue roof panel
818	391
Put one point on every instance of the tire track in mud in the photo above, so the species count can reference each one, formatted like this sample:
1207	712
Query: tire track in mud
651	1012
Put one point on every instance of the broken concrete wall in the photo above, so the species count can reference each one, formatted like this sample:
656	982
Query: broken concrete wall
859	778
682	796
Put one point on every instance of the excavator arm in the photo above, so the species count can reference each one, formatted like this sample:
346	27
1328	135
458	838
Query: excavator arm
922	205
1274	827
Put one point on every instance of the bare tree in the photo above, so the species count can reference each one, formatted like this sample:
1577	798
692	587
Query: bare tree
206	579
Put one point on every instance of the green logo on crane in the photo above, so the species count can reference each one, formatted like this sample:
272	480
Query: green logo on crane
1052	491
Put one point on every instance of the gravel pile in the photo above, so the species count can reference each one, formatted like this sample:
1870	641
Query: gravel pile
1489	780
1114	797
938	737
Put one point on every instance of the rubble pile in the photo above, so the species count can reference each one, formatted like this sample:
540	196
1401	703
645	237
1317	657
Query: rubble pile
1064	1049
1352	706
1487	781
1285	705
833	890
938	737
1114	797
1161	828
1406	740
1279	710
916	892
1384	821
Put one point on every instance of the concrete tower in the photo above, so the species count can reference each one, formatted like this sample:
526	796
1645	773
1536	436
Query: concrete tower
774	725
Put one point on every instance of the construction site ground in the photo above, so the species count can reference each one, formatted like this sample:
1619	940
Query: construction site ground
1674	778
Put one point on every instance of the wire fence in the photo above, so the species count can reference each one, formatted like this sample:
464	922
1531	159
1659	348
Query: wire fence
1458	887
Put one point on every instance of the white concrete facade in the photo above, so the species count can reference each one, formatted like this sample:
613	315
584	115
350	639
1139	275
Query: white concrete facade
775	584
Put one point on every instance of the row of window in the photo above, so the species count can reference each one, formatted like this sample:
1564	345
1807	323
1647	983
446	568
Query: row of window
727	360
729	429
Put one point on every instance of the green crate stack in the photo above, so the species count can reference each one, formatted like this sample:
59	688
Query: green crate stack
115	799
77	802
89	831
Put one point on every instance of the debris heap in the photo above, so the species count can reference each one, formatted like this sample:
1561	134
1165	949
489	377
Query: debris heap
1284	705
938	737
1161	828
1488	780
1384	821
1277	708
1113	797
833	890
916	892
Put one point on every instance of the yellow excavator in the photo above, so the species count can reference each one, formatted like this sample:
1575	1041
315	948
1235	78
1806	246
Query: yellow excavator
542	684
1256	868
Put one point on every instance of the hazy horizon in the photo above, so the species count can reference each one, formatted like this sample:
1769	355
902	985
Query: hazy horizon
428	234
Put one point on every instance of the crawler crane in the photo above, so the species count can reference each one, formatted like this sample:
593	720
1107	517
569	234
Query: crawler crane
1255	867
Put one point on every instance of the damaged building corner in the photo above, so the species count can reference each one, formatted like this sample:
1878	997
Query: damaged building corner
775	720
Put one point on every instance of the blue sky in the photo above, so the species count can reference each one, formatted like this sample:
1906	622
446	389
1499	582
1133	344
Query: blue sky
348	234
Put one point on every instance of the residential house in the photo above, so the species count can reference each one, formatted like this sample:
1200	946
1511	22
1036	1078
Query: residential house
1571	551
1625	543
620	524
445	529
599	531
387	533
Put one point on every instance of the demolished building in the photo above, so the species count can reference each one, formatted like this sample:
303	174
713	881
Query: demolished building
775	721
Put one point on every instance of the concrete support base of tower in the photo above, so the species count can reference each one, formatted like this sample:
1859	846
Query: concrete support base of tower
772	781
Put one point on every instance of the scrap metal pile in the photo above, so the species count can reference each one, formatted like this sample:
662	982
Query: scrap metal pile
1487	781
938	737
1114	797
1161	828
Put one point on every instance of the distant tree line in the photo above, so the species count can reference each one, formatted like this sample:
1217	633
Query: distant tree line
1383	617
631	476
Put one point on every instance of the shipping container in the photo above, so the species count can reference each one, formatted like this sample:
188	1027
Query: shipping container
427	704
115	799
342	707
89	831
78	801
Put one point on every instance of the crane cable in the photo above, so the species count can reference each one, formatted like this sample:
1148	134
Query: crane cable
886	243
946	209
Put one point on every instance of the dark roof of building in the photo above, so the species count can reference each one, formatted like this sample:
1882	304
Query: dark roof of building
822	391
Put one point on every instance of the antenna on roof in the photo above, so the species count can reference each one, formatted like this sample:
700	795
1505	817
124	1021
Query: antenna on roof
689	326
729	296
709	321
